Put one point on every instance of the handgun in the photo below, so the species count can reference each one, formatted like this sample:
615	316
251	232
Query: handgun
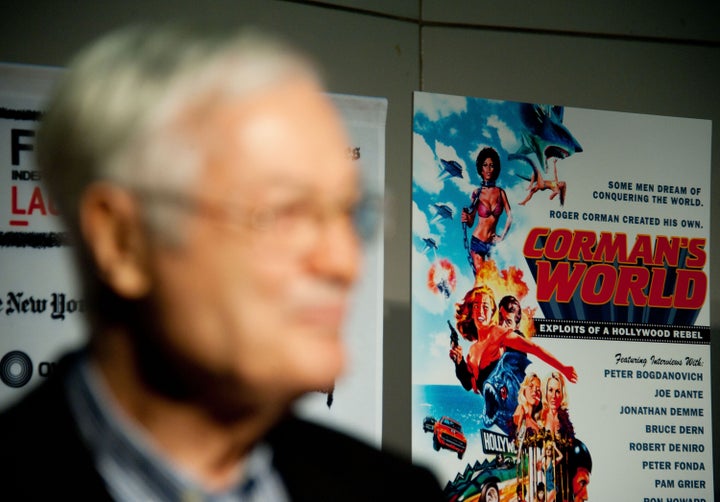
454	340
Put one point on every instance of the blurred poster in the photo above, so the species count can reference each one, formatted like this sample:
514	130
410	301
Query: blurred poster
560	302
40	305
355	404
41	308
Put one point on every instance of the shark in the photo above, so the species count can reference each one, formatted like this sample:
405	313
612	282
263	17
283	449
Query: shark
544	136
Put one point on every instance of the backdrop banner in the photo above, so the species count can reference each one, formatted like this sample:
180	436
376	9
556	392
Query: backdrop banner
560	301
41	305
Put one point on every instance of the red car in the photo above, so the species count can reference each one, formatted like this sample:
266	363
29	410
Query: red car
448	434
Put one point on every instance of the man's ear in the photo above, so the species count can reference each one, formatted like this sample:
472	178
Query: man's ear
112	229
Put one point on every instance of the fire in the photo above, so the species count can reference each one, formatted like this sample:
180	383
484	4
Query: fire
507	282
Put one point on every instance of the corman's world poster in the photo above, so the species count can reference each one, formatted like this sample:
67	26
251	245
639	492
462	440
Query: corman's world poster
560	302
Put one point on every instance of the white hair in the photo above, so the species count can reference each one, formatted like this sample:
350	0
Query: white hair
116	113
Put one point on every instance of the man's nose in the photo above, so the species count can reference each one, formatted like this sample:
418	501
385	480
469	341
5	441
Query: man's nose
338	252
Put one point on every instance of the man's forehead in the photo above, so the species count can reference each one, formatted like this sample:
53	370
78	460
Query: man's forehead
219	118
296	140
295	99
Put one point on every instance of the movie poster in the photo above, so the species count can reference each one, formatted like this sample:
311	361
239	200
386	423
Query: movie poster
560	302
41	311
41	306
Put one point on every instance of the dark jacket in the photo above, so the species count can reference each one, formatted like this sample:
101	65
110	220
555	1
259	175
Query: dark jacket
43	458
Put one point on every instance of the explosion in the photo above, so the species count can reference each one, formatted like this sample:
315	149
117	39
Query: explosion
507	282
442	277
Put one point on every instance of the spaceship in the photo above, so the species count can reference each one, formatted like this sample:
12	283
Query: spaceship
451	167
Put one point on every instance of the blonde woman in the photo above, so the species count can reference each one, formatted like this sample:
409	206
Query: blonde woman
555	417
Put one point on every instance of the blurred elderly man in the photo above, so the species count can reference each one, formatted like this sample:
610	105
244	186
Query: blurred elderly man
215	215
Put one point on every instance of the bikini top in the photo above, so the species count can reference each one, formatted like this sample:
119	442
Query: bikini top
485	211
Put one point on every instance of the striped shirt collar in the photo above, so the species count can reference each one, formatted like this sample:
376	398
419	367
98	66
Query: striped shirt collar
133	469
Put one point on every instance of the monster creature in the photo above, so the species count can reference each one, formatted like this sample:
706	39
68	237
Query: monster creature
545	135
501	388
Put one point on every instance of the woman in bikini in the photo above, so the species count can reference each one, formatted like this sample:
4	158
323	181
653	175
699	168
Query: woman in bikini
488	202
546	466
537	182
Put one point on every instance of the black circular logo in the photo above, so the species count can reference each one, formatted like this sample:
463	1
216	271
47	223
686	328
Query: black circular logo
15	369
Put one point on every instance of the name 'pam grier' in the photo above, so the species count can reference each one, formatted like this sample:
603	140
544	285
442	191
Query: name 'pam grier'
567	261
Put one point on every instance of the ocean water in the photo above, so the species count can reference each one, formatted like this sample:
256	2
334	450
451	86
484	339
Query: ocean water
449	400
